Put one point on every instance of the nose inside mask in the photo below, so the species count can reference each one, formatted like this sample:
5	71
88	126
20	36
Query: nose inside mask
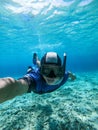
51	74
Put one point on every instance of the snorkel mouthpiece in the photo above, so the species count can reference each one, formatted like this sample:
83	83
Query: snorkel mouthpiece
52	74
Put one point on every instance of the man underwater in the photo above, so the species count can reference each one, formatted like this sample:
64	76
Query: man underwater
46	76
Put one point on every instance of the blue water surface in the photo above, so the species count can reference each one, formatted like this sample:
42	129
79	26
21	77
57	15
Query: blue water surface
62	26
71	26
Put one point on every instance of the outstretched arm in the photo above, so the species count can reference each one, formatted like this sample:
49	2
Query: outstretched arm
9	88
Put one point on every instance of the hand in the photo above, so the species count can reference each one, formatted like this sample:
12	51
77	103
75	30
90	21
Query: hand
35	58
29	69
72	76
36	61
34	55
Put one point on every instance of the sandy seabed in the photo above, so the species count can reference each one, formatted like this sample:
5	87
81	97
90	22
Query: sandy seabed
73	106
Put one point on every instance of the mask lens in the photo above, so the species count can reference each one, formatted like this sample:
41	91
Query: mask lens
52	71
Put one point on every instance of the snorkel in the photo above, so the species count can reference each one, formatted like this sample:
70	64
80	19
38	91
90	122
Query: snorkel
64	63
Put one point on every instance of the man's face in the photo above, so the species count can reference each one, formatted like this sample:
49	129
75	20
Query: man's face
52	81
52	74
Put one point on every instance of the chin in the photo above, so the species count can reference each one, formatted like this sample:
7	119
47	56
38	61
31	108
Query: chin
53	83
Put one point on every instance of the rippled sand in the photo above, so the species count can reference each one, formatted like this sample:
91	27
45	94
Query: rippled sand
74	106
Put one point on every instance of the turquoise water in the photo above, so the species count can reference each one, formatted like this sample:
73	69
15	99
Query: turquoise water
71	26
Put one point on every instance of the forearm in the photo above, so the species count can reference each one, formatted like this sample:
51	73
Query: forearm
9	88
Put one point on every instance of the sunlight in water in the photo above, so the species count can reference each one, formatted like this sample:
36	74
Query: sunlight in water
85	2
35	7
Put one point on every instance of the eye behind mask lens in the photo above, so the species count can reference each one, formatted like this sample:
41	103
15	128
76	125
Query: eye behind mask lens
52	71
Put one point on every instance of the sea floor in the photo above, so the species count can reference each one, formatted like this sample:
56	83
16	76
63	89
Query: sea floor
74	106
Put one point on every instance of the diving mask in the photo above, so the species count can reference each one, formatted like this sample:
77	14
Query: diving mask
52	71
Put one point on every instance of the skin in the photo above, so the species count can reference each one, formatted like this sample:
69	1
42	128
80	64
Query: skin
52	81
10	88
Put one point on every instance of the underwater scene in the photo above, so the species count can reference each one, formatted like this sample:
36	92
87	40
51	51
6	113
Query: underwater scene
40	26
